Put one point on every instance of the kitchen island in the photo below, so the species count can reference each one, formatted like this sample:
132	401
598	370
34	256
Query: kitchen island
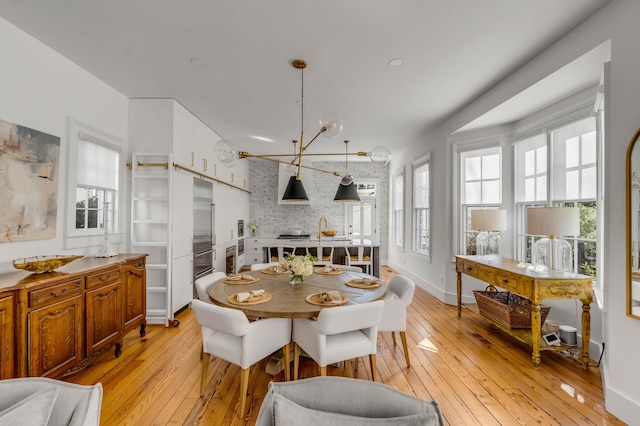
257	248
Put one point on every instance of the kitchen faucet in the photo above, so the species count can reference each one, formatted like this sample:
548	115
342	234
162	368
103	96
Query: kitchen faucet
326	225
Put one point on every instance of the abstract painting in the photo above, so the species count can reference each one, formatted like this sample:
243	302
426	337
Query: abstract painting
29	169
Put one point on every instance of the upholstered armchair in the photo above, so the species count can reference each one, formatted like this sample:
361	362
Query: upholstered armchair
42	401
338	401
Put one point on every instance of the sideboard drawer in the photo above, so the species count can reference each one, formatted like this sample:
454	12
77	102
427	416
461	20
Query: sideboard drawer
508	281
54	293
103	277
480	272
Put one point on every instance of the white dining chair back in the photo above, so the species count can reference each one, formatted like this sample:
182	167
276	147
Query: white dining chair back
360	256
340	333
202	285
394	316
277	253
229	335
259	266
323	254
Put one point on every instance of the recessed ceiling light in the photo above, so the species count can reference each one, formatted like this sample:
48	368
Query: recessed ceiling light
395	62
261	138
198	62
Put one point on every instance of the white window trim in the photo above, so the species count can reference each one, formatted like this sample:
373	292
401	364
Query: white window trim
73	239
420	161
398	173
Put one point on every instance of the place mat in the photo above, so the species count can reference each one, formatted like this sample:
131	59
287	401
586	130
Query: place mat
332	272
269	271
315	299
255	300
357	283
234	282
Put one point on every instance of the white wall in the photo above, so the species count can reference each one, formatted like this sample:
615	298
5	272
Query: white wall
616	22
40	89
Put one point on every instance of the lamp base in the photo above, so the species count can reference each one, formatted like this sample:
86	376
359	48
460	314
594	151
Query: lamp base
488	245
554	253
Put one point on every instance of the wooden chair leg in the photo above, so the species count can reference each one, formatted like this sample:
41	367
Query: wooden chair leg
393	336
244	385
403	337
286	353
205	365
374	367
355	362
323	370
296	360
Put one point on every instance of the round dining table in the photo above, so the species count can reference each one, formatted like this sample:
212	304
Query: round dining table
290	301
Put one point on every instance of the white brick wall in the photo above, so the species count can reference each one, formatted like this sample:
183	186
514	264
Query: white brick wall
274	219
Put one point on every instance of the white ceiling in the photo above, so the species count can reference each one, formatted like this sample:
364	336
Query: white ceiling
453	51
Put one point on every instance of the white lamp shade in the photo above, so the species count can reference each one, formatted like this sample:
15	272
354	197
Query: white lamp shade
489	220
553	221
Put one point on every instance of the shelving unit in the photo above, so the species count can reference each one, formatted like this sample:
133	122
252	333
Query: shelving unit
151	228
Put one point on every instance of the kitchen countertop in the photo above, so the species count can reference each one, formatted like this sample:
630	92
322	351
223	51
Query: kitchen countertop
305	242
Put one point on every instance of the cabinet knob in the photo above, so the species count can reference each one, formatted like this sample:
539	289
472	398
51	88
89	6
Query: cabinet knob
505	281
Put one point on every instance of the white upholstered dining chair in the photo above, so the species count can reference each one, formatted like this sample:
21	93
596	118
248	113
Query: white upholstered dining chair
394	316
202	285
228	334
339	334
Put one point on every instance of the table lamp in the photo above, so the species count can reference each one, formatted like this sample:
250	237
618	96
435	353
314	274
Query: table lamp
489	223
553	223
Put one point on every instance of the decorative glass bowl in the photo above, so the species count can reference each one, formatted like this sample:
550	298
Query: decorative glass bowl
39	264
329	232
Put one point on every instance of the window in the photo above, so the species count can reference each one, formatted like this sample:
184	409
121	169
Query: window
421	206
480	187
397	211
94	180
559	169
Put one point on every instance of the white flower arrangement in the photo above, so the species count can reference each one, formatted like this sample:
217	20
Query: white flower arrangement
299	266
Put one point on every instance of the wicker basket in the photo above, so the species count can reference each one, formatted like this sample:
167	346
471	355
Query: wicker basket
508	309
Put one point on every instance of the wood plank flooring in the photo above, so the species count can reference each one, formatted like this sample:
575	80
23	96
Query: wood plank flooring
480	375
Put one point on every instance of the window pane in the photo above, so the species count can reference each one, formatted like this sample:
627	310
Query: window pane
491	166
529	189
472	193
421	186
472	168
589	182
589	148
541	188
491	192
572	152
529	163
572	185
366	219
541	160
92	222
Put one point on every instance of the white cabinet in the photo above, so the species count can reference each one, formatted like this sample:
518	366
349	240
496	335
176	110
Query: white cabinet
150	228
182	282
253	251
164	126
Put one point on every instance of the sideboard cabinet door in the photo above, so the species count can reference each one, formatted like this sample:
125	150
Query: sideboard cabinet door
55	337
135	294
104	318
6	337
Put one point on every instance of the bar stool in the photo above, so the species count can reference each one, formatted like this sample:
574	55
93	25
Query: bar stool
362	257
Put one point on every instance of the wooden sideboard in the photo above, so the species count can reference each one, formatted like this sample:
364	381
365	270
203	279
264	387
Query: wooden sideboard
52	322
536	286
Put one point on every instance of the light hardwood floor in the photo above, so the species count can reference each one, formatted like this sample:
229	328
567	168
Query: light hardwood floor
480	375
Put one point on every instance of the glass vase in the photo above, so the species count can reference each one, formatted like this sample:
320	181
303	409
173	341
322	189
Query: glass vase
295	279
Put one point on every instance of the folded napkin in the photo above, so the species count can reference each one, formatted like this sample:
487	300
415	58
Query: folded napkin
276	268
237	277
329	268
332	296
245	296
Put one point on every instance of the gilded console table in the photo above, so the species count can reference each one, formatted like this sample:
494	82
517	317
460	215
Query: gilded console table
537	286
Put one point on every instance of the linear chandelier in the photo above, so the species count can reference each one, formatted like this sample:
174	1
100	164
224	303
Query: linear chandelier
330	127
